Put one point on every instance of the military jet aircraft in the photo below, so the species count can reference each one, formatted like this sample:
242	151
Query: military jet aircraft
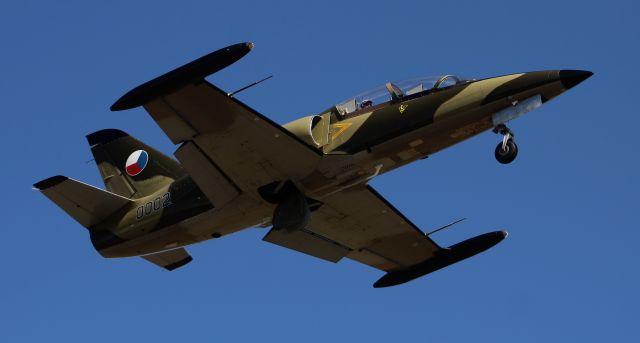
307	180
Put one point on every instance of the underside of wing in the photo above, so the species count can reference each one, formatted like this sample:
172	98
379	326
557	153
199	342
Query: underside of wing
227	147
359	224
381	236
246	147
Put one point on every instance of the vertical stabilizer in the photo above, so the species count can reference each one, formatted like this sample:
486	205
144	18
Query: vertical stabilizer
129	167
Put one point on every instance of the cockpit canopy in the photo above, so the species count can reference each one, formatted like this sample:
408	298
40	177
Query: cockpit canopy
393	90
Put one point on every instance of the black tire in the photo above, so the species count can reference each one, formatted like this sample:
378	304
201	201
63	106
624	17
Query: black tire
507	155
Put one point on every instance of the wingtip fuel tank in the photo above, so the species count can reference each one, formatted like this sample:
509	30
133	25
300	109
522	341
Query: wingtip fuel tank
182	76
443	258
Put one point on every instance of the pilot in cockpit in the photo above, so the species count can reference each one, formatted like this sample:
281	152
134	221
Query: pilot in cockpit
366	103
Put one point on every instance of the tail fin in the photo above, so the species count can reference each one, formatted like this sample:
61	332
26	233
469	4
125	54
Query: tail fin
88	205
129	167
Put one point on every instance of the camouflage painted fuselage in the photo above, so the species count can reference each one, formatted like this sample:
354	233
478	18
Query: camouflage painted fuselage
355	147
398	133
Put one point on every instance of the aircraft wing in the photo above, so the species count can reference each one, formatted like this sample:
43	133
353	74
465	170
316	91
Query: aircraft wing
246	147
360	224
226	146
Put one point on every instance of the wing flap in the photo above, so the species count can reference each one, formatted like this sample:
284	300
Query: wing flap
308	243
374	260
217	186
171	259
88	205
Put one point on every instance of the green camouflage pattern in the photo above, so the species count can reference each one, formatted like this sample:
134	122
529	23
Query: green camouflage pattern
168	210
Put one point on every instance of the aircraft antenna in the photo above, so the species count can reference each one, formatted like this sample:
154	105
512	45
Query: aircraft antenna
248	86
445	227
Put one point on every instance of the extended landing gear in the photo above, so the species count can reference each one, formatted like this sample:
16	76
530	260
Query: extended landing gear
507	150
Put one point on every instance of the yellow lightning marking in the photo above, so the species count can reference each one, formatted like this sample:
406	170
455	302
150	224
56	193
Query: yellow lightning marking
402	108
339	129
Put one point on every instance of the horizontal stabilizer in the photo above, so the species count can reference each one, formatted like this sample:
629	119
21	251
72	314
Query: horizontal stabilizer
86	204
171	259
182	76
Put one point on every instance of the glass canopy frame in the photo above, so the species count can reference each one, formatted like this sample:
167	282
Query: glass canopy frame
392	91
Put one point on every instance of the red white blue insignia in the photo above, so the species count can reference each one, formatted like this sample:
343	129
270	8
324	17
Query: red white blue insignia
136	162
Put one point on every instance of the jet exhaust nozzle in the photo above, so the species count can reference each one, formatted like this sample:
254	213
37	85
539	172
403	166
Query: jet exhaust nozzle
443	258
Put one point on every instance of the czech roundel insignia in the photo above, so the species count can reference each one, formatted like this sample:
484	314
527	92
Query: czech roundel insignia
136	162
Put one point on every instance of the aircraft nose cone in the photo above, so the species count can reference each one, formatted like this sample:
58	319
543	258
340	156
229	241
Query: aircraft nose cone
570	78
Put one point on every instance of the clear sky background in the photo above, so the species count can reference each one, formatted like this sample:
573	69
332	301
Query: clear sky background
568	271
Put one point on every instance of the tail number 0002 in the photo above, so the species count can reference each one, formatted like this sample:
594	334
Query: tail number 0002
154	206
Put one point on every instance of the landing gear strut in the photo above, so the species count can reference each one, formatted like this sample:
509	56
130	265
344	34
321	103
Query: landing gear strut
507	150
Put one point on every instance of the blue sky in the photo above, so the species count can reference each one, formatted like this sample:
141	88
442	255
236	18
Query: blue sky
568	271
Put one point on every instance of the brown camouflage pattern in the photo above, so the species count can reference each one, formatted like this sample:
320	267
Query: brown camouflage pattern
348	151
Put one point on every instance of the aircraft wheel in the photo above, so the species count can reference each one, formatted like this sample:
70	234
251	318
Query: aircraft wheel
508	154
